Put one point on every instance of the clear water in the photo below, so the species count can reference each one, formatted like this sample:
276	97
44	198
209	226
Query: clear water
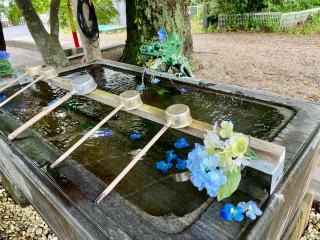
152	191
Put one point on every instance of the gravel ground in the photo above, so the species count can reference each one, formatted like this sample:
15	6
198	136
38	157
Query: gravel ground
313	228
284	64
21	223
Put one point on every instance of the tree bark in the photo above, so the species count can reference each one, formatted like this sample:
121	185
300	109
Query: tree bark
54	18
146	17
3	46
48	44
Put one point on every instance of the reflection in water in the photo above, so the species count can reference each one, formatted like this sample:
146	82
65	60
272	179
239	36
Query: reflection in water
106	156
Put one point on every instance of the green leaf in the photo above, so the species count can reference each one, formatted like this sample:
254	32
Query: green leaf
233	181
251	154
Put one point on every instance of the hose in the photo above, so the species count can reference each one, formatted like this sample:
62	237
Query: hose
89	26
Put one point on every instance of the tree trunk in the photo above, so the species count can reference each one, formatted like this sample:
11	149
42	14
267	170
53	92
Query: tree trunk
146	17
48	44
3	46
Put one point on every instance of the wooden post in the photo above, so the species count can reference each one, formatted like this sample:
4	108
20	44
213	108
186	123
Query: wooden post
91	50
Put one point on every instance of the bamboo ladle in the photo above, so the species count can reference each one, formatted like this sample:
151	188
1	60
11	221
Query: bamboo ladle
81	85
129	100
177	116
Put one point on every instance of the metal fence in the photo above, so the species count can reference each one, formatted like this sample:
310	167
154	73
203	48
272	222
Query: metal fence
278	19
195	11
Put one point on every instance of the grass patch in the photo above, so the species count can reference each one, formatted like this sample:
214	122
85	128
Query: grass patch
310	27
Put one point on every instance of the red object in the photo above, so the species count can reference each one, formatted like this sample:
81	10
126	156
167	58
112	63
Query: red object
75	39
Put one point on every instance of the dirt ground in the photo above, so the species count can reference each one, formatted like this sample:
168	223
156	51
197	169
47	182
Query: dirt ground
285	64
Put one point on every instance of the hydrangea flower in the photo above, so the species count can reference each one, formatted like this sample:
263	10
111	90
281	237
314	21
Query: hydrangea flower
214	181
164	166
155	80
141	87
231	212
251	209
162	35
239	144
2	97
204	171
212	142
4	55
108	86
102	133
195	156
170	155
226	129
181	164
134	136
183	90
181	143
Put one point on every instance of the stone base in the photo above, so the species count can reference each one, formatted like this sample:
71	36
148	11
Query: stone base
300	221
14	192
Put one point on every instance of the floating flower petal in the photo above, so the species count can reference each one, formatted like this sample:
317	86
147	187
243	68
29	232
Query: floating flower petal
134	136
181	164
164	166
230	212
170	155
181	143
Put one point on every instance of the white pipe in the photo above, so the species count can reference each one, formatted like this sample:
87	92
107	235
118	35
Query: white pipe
13	82
20	91
132	164
36	118
85	137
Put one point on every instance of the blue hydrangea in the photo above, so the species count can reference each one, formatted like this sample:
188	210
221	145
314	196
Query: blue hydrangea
231	212
4	55
162	35
102	133
170	155
181	143
183	90
204	171
215	179
164	166
134	136
141	87
181	164
155	81
108	86
251	209
2	97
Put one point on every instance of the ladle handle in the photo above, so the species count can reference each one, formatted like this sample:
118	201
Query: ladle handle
20	91
36	118
132	164
85	137
13	82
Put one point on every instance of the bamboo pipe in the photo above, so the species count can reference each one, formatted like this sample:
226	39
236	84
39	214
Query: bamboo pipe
42	114
20	91
13	82
132	163
85	137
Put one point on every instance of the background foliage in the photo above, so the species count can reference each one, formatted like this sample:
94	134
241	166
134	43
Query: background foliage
106	13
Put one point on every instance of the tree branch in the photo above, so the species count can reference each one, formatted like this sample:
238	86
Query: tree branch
54	18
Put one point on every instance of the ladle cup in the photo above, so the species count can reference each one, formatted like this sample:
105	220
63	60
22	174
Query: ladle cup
30	70
22	89
177	116
129	100
81	85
